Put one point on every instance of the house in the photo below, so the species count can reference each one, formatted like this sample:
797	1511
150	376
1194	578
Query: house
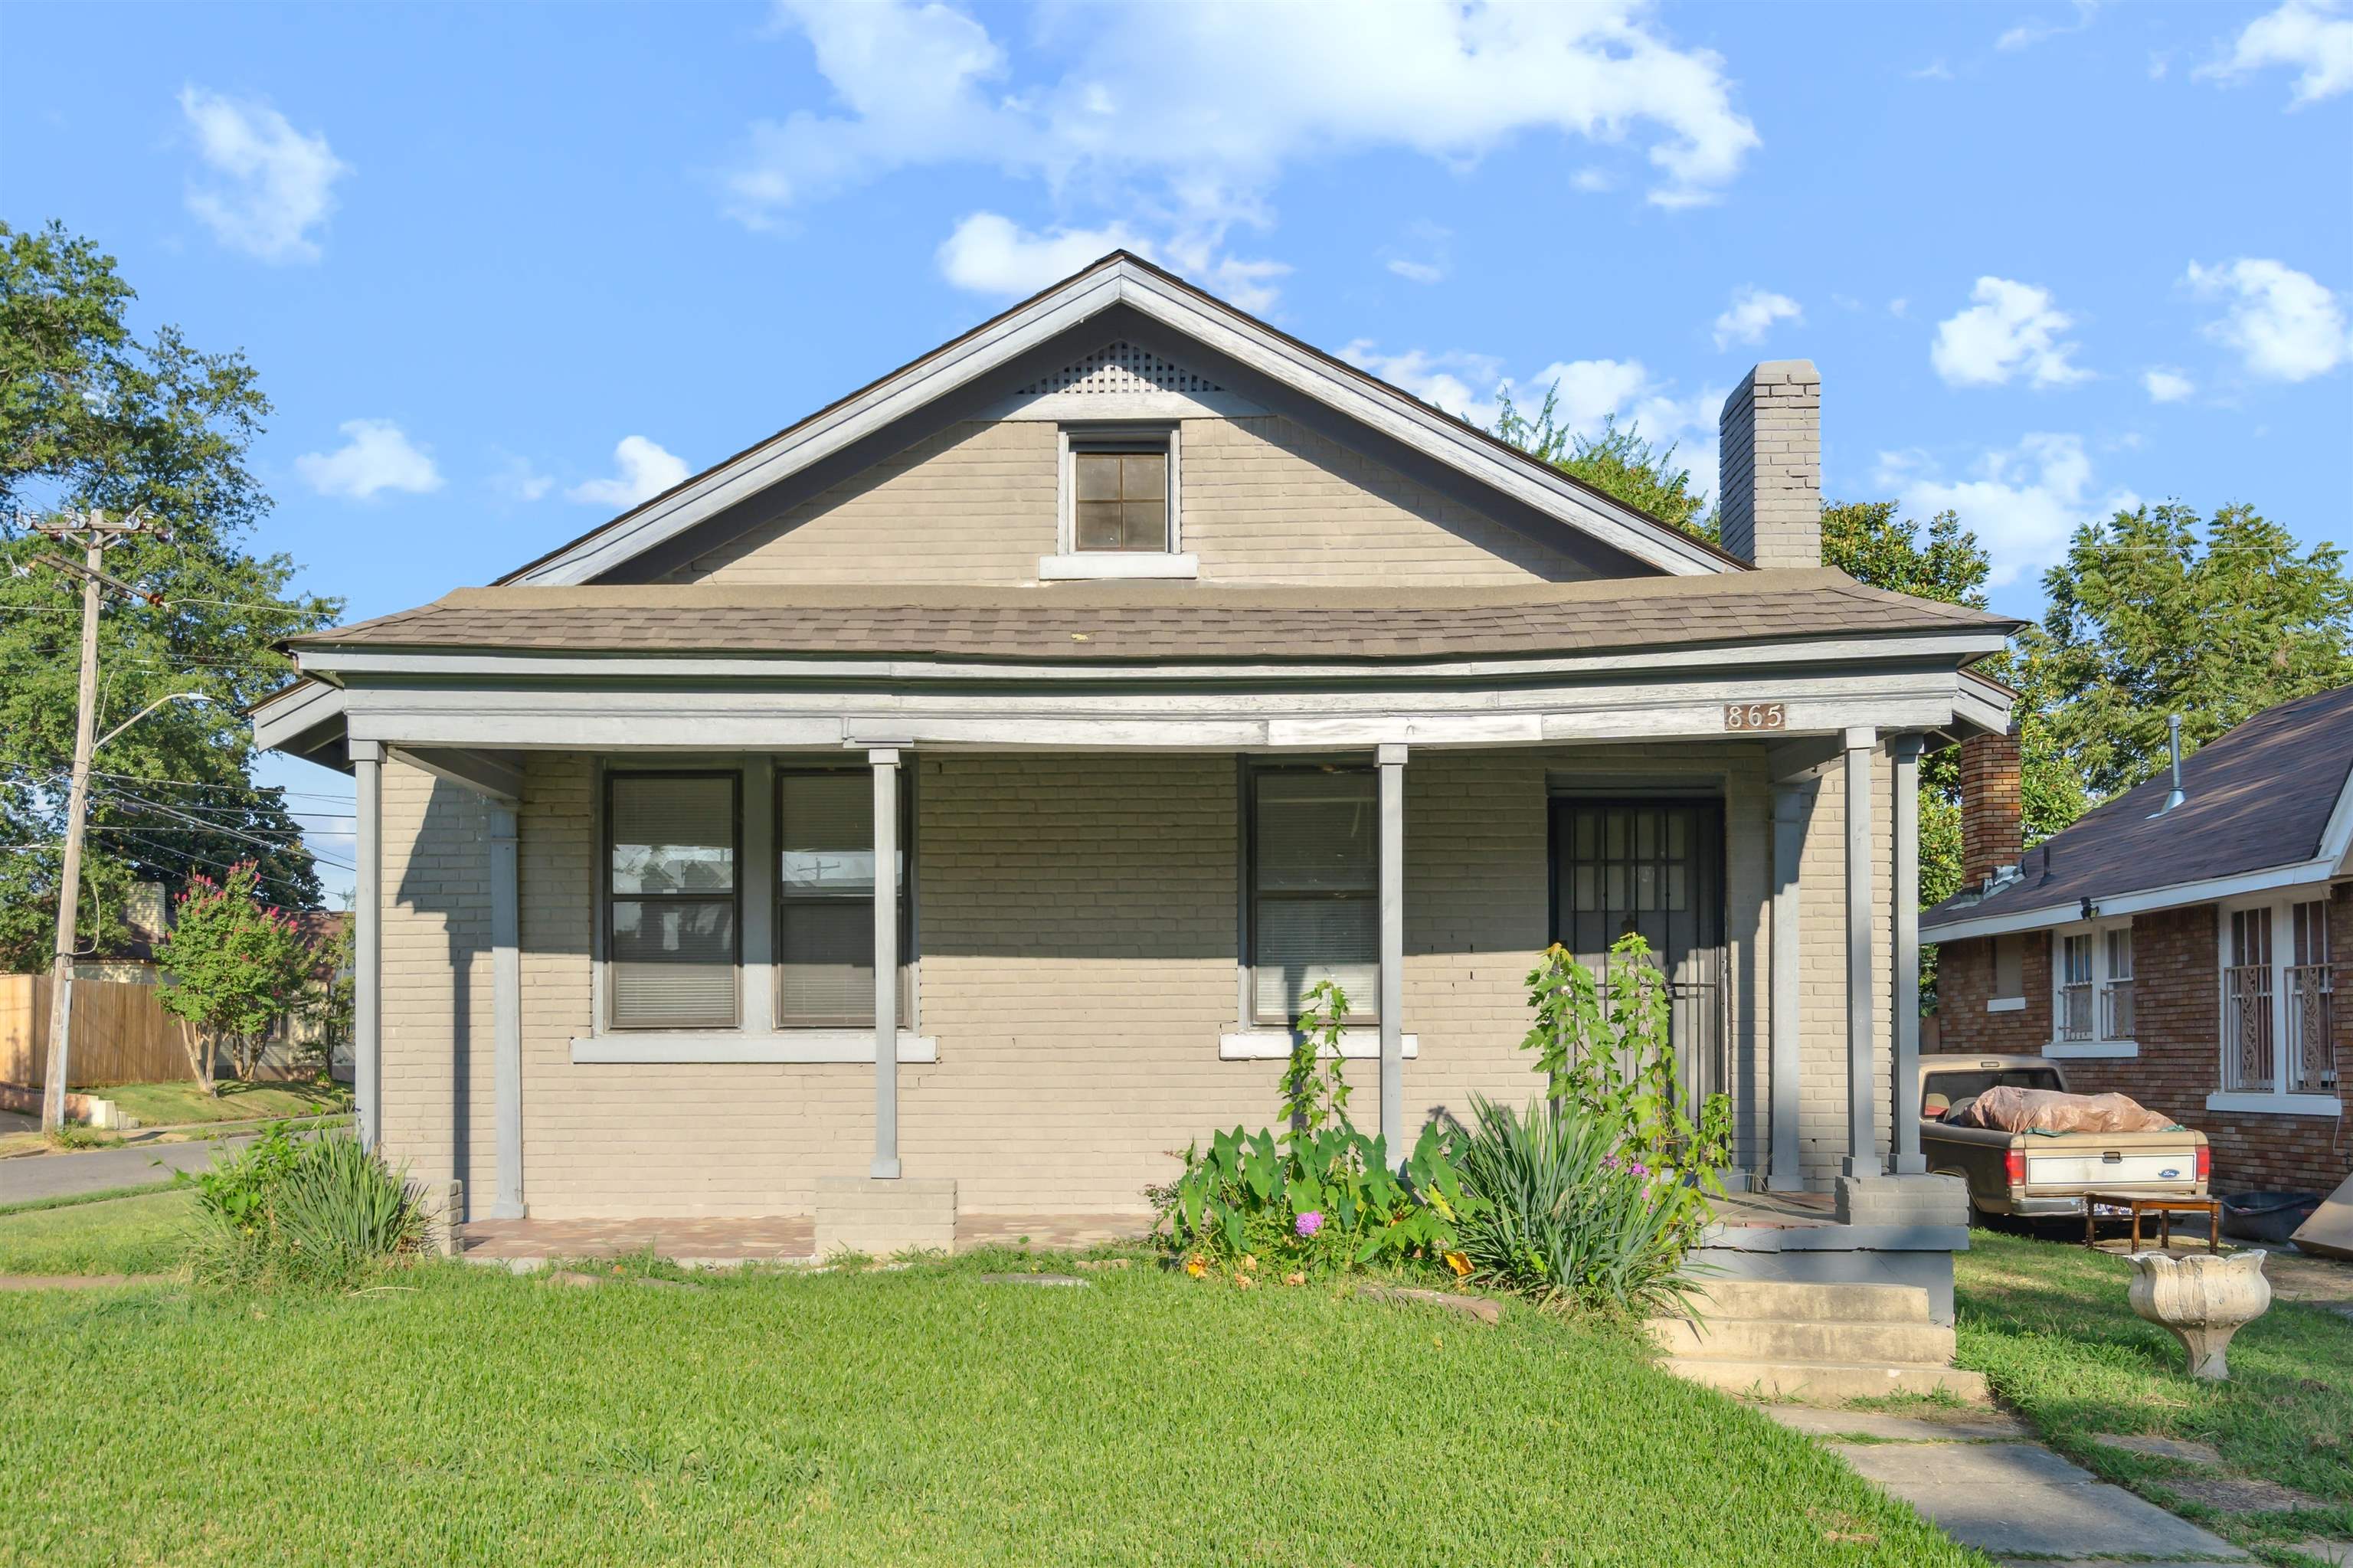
1101	680
2188	954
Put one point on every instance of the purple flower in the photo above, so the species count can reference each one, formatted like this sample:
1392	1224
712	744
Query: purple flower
1640	1168
1610	1162
1308	1224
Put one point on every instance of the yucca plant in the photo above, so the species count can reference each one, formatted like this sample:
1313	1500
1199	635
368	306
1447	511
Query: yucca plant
341	1209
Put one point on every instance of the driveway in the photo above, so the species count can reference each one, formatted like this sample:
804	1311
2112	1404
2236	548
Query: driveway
63	1175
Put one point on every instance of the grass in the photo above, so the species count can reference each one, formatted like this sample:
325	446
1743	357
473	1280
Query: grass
912	1416
120	1235
74	1200
2049	1326
174	1104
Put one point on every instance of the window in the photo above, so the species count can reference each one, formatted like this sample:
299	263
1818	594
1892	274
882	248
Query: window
1314	889
825	900
1120	496
2008	974
671	898
2279	1046
2092	993
1959	1088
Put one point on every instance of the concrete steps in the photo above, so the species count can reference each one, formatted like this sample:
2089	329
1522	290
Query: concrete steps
1822	1344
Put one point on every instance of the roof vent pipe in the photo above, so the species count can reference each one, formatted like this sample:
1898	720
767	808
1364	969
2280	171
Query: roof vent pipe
2173	736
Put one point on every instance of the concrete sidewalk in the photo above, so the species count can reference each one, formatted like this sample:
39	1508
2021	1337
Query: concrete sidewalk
33	1176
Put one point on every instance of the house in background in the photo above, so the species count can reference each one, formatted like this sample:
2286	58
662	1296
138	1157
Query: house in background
2197	956
944	805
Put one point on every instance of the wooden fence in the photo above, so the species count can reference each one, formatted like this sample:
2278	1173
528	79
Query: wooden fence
120	1035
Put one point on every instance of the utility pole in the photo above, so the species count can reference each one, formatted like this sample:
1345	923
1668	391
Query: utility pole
96	534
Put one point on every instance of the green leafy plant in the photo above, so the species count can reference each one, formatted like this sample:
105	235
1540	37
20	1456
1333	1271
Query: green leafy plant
232	967
292	1211
1594	1196
1320	1197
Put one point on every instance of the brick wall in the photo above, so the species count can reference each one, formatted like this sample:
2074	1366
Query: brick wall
1261	499
1993	803
1965	984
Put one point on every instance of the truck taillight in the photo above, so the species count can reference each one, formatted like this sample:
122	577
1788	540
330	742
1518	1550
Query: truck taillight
2013	1166
2205	1162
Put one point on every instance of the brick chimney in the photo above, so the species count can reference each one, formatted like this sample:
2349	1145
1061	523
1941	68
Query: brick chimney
1771	441
1993	832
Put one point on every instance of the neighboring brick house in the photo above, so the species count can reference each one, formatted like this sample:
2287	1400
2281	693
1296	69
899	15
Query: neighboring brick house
2197	958
1165	665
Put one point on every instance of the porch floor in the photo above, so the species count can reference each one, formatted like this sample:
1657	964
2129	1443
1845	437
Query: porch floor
779	1238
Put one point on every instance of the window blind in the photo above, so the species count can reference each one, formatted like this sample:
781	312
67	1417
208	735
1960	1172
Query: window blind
1314	891
671	914
825	904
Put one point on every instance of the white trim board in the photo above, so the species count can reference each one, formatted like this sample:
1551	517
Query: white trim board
2258	1104
736	1047
1274	1045
1121	280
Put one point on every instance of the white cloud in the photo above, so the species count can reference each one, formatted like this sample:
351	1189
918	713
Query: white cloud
646	471
2312	36
2286	325
2166	386
1204	106
2012	328
1751	315
1586	393
990	254
1417	271
377	457
518	481
1934	71
273	185
1593	181
2028	34
2023	504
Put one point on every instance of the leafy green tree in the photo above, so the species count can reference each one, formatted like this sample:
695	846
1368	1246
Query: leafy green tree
232	967
2157	611
92	416
1619	462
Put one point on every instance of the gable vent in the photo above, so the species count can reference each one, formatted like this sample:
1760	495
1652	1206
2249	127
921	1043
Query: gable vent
1122	367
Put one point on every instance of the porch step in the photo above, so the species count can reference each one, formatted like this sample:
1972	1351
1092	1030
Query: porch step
1792	1301
1823	1344
1773	1339
1826	1382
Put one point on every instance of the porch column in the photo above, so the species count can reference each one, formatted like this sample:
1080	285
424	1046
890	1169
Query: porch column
506	1013
1391	760
884	760
1909	1162
1791	804
367	940
1862	1140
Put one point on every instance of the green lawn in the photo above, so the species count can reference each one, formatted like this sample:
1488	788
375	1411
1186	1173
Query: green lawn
907	1416
120	1235
170	1105
2048	1324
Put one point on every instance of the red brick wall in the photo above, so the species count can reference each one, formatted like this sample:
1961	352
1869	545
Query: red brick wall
1964	986
1992	806
2177	1015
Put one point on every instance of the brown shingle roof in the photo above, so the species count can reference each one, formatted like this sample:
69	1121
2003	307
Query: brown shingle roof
2258	796
1161	622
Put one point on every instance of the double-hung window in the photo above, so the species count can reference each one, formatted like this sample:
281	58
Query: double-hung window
825	900
673	847
2092	991
1314	889
2278	1005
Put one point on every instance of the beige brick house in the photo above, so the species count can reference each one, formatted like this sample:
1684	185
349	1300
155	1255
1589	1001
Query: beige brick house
1162	665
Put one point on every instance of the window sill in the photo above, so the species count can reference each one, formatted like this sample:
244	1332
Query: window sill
1274	1045
2260	1104
2092	1051
2006	1004
735	1047
1093	566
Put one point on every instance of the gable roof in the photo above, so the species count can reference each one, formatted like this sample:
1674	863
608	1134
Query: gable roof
2269	804
1183	623
1121	278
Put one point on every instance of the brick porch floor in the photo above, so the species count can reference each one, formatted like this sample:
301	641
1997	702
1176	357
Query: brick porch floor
788	1238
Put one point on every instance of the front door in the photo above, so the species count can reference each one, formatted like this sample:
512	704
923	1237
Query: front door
1655	866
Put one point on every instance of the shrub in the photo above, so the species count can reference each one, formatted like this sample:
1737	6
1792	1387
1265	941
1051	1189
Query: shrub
231	969
1595	1196
1320	1197
289	1210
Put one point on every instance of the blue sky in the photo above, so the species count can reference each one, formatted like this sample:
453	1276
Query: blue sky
503	270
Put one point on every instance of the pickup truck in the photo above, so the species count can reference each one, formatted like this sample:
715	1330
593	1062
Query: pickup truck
2036	1174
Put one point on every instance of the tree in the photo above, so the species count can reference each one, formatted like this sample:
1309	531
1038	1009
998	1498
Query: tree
232	967
90	416
2157	611
1619	462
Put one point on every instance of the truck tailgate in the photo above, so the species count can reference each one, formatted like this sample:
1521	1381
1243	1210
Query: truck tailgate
2081	1166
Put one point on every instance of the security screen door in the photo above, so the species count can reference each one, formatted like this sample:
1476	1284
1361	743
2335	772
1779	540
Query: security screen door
1655	866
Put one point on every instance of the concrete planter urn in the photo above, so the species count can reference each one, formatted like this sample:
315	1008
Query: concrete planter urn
2204	1300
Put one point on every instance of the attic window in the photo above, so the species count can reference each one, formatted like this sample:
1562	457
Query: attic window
1120	497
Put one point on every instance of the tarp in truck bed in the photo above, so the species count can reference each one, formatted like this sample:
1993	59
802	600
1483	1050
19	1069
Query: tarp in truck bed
2051	1110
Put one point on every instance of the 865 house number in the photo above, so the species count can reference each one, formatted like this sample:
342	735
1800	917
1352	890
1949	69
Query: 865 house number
1756	715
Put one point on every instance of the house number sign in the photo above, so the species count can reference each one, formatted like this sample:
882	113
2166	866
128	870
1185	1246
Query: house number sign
1756	715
